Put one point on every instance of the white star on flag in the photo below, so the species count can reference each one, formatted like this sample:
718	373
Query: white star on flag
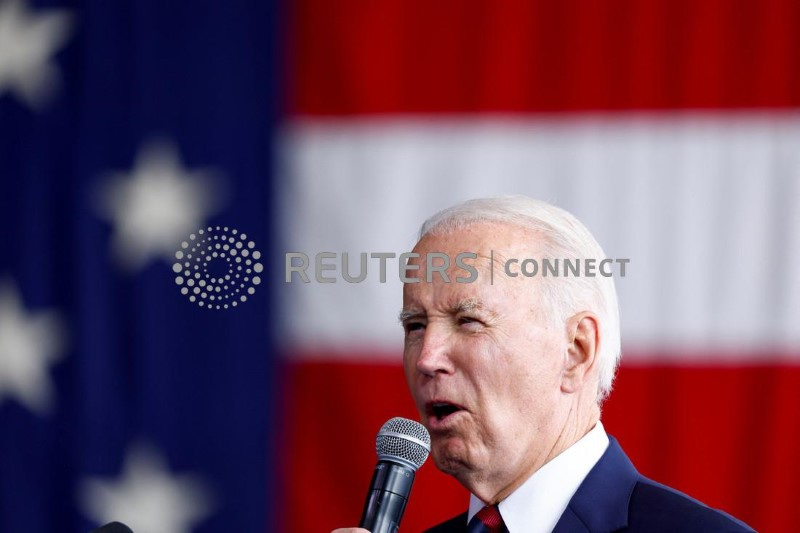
27	45
29	344
157	205
147	497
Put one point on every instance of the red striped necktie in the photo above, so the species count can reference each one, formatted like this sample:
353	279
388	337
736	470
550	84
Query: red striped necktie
487	520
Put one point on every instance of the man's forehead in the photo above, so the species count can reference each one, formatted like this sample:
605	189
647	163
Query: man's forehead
490	232
484	245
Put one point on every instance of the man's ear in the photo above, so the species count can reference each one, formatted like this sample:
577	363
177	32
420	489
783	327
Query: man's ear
583	335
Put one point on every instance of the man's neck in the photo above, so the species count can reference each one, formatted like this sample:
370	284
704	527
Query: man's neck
493	490
537	505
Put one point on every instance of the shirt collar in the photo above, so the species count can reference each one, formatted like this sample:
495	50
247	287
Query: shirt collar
537	504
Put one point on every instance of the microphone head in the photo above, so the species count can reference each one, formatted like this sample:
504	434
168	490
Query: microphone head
113	527
404	440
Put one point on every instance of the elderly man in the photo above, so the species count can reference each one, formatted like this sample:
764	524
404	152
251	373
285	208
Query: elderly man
509	372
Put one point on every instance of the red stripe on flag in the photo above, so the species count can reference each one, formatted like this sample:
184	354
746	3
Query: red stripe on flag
723	435
360	56
335	411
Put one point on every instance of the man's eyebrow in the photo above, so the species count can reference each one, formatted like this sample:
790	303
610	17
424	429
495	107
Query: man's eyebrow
406	314
473	304
470	304
462	306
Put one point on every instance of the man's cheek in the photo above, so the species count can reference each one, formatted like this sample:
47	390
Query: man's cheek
408	371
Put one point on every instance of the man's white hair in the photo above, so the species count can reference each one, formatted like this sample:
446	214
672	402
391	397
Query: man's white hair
565	237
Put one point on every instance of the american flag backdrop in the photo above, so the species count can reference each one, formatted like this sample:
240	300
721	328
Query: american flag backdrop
671	128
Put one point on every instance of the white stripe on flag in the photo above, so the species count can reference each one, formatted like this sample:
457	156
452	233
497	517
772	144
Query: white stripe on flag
706	206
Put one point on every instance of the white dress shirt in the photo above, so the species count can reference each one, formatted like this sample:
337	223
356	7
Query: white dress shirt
537	505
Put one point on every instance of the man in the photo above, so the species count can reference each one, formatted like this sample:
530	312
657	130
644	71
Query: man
509	373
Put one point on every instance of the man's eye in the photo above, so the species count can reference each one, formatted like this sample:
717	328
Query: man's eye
414	326
468	320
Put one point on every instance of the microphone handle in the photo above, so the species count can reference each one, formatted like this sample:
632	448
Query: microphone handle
387	497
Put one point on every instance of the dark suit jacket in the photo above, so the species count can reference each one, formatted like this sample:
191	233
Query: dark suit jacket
615	497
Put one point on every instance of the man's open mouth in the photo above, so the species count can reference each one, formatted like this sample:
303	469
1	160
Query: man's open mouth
442	410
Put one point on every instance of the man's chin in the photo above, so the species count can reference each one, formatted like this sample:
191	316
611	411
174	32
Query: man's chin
449	455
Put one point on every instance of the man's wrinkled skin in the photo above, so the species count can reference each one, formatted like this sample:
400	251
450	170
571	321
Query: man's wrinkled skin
525	381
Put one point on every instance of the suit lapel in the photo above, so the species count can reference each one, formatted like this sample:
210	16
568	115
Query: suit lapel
601	502
570	522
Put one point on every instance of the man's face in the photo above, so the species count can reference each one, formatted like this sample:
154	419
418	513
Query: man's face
484	362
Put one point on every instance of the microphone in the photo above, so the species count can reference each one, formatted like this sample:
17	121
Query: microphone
402	446
113	527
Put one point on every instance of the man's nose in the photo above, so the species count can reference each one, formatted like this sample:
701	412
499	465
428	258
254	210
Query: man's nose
435	357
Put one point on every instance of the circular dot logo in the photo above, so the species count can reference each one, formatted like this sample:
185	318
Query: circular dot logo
218	268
